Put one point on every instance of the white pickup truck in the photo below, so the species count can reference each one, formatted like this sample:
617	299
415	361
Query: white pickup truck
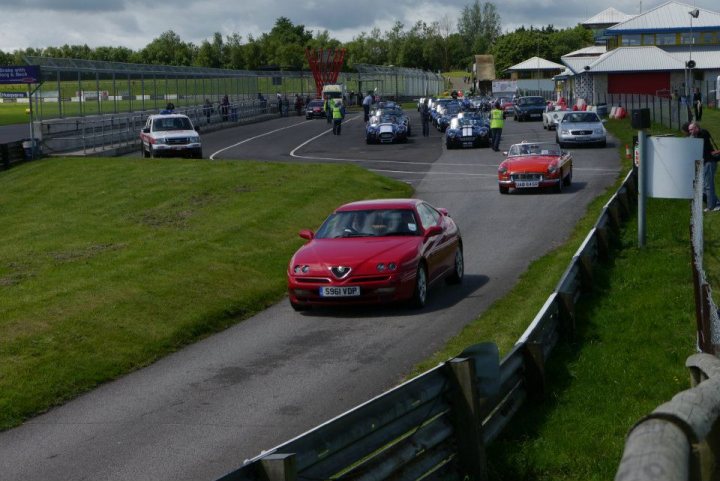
170	135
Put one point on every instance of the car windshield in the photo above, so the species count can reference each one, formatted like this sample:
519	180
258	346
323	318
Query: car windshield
387	119
531	101
534	149
315	103
581	117
171	123
369	223
459	122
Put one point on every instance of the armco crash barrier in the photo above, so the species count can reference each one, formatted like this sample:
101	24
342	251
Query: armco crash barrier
11	153
679	440
436	426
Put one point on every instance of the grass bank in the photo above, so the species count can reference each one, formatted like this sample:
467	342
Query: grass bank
110	264
634	333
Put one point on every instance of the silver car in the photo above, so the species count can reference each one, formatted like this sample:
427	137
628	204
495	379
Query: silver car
581	128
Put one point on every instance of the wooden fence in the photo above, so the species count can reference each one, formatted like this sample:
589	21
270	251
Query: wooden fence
436	426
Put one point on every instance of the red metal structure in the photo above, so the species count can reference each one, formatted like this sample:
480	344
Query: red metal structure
325	65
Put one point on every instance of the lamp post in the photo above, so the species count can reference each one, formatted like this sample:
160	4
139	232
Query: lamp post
690	63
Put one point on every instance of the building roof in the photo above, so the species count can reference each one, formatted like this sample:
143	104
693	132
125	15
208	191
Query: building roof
706	57
609	16
564	74
577	64
668	17
636	59
587	51
536	63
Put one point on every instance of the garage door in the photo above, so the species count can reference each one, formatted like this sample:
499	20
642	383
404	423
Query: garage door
639	83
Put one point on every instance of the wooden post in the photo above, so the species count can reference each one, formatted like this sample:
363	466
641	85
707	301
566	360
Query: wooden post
586	272
467	422
566	311
279	467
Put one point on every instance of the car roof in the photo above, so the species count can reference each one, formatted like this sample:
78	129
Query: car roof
166	116
379	204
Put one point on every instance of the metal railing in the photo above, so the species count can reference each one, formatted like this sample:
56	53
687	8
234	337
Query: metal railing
436	426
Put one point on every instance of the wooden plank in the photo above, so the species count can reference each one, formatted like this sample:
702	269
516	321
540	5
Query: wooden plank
655	450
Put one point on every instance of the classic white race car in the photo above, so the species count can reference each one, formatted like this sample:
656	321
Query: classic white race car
552	117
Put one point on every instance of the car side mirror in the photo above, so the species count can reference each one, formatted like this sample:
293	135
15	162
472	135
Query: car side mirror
603	121
443	211
307	234
146	130
433	231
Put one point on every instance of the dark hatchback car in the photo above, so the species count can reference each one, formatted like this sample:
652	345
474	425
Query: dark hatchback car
529	108
314	110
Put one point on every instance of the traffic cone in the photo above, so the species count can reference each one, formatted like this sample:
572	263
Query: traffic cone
627	151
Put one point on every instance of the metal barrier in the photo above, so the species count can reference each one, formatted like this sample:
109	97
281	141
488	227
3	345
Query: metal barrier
436	426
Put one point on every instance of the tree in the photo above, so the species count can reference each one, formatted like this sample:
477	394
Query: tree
168	49
479	26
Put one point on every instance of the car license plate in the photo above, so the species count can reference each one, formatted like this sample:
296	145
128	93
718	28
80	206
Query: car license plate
524	184
350	291
535	115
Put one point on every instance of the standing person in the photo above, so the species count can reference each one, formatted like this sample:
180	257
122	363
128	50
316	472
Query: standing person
425	117
327	106
285	106
496	126
697	104
298	104
366	103
279	103
207	109
693	129
338	114
225	107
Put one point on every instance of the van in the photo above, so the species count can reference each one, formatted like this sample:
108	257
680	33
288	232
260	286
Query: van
334	91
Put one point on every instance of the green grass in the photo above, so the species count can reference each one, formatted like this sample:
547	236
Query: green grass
634	333
113	263
13	113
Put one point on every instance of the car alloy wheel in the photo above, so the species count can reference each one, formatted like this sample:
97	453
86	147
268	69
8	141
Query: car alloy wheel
459	268
420	295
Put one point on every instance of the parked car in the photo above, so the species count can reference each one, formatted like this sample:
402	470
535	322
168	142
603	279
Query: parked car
507	106
170	135
445	114
314	110
552	117
581	128
376	251
531	165
385	128
528	108
468	130
398	112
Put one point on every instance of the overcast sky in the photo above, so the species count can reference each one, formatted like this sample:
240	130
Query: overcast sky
134	24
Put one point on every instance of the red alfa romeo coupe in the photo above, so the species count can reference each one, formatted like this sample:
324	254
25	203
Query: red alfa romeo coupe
530	165
376	251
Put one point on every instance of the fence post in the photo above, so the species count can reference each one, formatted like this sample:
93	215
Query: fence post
534	376
465	402
279	467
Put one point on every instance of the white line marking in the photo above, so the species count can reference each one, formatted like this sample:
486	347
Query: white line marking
212	157
292	153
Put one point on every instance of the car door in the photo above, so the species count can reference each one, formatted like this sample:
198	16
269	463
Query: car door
435	247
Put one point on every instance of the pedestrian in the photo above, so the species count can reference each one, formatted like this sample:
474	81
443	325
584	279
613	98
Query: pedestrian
170	107
207	109
425	117
697	104
225	107
285	106
496	125
298	104
338	114
693	129
279	103
327	107
366	103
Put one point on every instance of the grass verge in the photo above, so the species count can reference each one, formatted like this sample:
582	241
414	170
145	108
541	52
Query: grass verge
113	263
634	333
13	114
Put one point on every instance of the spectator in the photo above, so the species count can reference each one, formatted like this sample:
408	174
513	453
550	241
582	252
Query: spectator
693	129
697	104
279	103
207	109
425	117
298	104
367	101
285	106
225	108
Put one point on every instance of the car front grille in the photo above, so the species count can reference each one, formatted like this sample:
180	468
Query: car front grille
178	141
386	136
527	177
581	132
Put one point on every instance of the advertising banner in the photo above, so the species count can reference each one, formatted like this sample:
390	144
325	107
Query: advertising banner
671	166
20	74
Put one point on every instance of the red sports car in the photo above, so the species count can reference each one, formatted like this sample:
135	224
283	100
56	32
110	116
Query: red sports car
376	251
533	165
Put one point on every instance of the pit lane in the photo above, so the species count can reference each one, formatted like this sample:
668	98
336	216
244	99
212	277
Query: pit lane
198	413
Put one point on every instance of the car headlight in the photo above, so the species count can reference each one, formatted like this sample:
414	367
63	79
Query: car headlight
564	132
598	131
502	169
161	140
300	269
390	266
194	140
552	168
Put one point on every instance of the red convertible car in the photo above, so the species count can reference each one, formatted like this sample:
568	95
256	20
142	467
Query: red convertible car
533	165
376	251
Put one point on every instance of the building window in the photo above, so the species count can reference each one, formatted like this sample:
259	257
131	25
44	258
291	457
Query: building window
666	39
631	40
648	39
686	38
708	37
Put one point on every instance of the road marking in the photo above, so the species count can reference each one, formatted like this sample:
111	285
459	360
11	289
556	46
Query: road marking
292	152
212	157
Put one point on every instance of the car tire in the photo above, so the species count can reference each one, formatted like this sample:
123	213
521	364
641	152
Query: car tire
568	179
448	145
559	187
419	298
458	268
299	307
603	144
504	190
152	153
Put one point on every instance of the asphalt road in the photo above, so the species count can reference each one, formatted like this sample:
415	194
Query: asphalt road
200	412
